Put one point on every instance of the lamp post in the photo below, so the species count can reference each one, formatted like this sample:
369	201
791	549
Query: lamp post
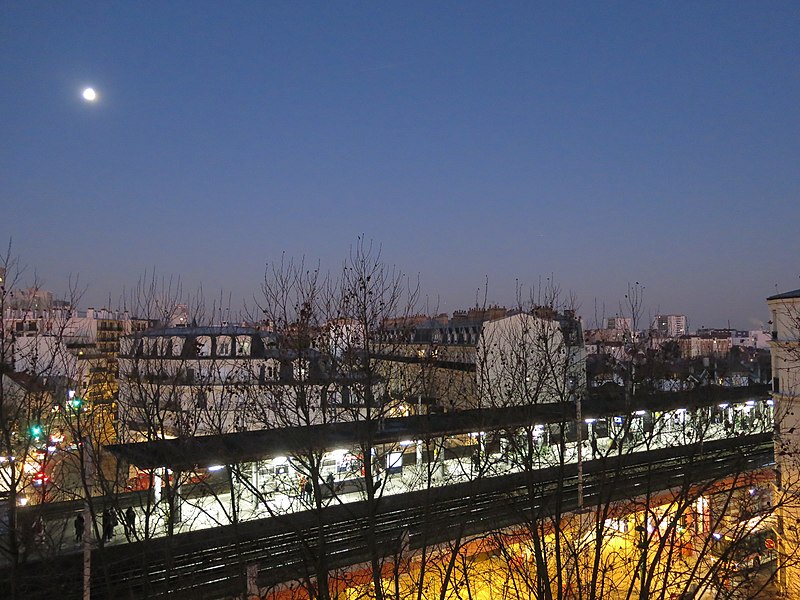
86	538
579	441
642	545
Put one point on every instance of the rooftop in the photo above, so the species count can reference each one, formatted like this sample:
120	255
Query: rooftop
785	295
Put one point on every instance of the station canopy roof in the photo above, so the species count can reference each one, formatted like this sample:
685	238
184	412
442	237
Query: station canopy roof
250	446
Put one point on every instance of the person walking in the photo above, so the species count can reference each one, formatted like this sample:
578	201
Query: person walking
109	522
38	530
79	523
130	522
308	488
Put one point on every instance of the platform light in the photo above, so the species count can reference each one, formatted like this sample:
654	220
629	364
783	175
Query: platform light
723	406
214	468
405	443
279	460
590	421
640	413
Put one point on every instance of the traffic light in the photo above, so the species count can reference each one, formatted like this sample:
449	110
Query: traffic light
75	402
36	430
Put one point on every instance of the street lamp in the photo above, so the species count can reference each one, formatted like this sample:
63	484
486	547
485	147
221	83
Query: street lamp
642	545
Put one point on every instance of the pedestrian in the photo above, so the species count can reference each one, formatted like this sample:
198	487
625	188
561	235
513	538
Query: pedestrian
329	480
80	523
106	521
302	485
38	530
130	522
109	522
308	488
114	521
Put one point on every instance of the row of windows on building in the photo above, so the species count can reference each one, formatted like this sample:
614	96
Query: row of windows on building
271	370
202	346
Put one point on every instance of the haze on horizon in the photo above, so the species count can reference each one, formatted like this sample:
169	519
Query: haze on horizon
596	144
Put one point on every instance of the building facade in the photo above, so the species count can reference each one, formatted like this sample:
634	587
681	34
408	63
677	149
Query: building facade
485	357
671	325
188	381
785	349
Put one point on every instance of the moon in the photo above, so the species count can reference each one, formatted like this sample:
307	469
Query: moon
89	94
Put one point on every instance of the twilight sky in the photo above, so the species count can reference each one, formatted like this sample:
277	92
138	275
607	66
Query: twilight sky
603	143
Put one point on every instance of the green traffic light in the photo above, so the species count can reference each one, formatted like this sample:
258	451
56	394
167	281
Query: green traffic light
36	430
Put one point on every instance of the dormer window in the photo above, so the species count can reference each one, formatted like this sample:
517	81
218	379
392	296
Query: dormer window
129	346
150	346
223	345
203	345
242	345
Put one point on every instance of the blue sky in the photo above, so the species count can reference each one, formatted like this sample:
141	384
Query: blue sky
600	143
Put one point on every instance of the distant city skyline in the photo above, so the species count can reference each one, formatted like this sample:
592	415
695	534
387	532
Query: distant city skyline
597	144
234	307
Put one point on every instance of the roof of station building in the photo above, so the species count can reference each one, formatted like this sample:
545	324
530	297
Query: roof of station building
250	446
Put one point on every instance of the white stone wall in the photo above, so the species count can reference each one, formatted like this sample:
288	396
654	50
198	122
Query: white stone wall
523	359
